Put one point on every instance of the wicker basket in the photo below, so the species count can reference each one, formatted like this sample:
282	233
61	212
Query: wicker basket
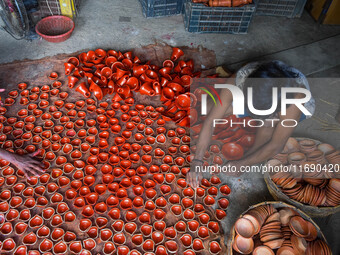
276	205
312	211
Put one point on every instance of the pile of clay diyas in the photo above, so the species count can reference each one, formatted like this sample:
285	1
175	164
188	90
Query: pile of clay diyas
111	72
223	3
314	180
266	229
114	180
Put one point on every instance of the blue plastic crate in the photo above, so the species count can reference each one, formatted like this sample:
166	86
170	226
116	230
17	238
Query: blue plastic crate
283	8
199	18
159	8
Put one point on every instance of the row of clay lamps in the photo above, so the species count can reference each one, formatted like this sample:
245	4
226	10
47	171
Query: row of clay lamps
317	183
266	230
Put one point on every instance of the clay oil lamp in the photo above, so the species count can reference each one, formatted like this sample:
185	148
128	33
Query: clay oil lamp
171	246
105	234
22	86
69	67
84	225
63	95
52	188
170	233
89	244
57	234
55	91
56	198
296	158
53	76
70	194
25	215
9	101
75	247
12	215
130	228
69	237
243	245
7	229
101	223
44	104
93	232
203	217
186	240
130	216
176	209
176	54
245	228
59	103
119	239
137	239
220	214
118	225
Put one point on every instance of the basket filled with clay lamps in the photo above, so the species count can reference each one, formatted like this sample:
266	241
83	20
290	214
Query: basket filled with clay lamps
276	228
314	185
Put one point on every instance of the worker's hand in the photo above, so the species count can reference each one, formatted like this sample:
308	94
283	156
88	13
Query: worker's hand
28	164
1	103
194	178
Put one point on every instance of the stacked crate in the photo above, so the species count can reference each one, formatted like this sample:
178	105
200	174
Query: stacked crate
59	7
160	8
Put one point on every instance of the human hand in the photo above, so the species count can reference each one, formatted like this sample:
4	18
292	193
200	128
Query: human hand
28	164
193	177
1	103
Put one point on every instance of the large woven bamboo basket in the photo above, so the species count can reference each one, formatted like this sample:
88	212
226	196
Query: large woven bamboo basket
276	205
312	211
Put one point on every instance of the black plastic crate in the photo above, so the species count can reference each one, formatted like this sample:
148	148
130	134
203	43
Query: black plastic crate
159	8
199	18
285	8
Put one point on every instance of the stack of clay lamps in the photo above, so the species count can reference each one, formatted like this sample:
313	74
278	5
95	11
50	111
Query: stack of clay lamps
114	181
266	230
110	72
315	188
223	3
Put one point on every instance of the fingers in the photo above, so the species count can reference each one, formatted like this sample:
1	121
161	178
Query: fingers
2	90
37	168
38	164
26	175
189	178
33	154
33	171
197	184
200	177
193	179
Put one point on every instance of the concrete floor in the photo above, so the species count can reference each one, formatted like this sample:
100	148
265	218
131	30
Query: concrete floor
314	49
120	25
